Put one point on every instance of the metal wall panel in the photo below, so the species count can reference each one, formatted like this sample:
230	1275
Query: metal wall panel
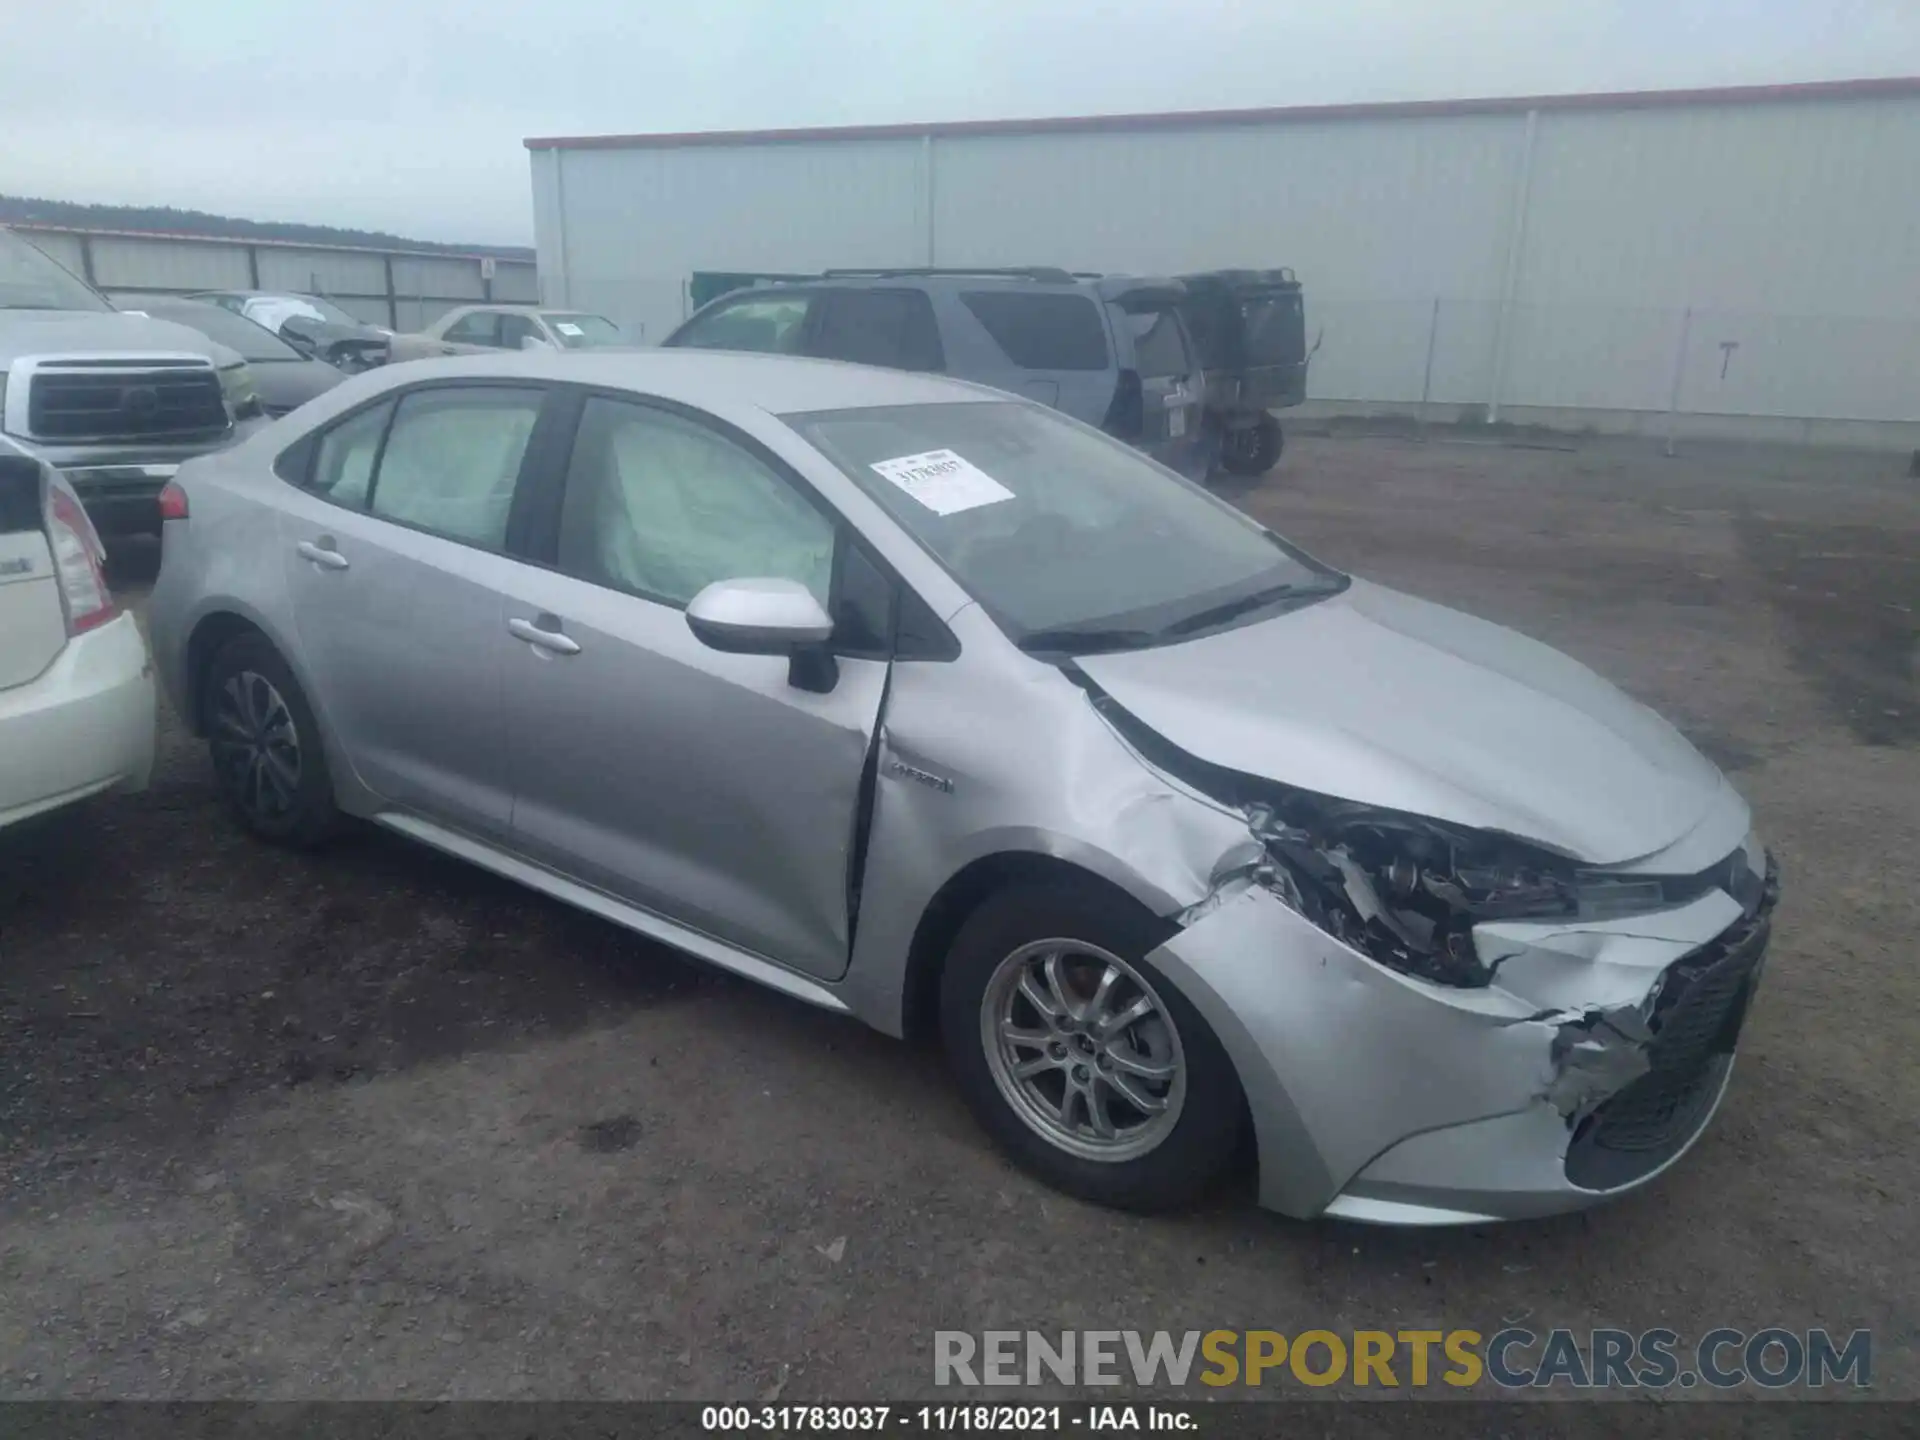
1334	200
1736	258
122	262
638	222
63	248
448	279
329	272
516	283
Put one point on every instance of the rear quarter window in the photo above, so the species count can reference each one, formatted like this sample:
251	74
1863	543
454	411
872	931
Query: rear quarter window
1159	347
1042	331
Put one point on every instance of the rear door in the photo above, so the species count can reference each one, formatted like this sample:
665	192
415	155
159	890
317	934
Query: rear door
1049	345
892	327
1171	386
396	556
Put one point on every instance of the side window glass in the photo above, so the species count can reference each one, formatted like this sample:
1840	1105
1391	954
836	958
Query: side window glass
1158	346
452	459
482	327
894	328
515	330
343	466
661	506
770	324
1045	331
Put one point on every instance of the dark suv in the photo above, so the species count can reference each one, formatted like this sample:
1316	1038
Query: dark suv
1110	350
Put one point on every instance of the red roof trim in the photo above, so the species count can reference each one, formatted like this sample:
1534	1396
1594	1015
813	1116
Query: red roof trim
1197	119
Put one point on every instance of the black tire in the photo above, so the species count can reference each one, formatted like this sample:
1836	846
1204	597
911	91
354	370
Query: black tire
1201	1144
1252	450
301	813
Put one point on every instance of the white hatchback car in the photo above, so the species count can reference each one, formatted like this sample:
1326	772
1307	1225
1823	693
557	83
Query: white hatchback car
76	682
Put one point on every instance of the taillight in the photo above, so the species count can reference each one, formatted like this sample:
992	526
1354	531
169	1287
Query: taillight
1127	415
80	561
173	502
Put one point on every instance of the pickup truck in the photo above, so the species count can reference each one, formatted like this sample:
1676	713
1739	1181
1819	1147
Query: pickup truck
113	401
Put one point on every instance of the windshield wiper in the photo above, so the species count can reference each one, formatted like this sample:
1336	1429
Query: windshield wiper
1087	640
1242	604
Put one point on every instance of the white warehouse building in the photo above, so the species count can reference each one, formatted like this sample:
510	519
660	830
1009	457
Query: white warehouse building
1735	261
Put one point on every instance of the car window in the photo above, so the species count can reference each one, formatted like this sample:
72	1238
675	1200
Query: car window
1159	348
894	328
343	464
1042	331
452	458
1048	523
768	323
584	332
480	327
662	506
515	330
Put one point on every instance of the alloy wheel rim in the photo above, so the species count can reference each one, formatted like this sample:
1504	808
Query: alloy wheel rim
1083	1049
256	745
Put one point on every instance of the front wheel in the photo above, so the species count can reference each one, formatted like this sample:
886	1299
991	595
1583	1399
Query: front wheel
1252	449
1079	1058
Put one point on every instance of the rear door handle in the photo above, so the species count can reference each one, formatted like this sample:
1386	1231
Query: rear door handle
550	640
325	557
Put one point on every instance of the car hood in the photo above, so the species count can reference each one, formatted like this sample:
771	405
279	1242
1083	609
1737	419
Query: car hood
67	332
1375	696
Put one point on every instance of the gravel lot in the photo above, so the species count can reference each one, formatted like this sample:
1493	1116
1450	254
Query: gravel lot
372	1124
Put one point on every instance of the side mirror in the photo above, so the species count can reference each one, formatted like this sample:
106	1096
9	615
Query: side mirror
766	616
533	342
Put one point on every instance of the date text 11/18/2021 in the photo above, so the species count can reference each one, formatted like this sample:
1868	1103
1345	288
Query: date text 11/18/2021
946	1419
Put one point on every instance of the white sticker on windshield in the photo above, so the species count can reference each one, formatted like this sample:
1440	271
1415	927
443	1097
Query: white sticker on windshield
567	327
943	482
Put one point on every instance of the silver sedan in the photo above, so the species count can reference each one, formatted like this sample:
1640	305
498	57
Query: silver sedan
924	703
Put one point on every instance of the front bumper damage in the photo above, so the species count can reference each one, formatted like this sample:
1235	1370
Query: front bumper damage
1591	1062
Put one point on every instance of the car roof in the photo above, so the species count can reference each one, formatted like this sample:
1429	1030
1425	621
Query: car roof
515	307
717	380
1032	281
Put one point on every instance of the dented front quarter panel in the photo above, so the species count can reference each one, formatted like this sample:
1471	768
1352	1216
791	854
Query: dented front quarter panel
1374	1095
954	784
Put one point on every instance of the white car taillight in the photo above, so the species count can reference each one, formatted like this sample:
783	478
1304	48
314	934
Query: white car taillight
80	561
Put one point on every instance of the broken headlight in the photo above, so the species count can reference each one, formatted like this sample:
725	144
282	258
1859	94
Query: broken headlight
1408	891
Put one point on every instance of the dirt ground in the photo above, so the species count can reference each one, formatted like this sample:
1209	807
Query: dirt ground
375	1124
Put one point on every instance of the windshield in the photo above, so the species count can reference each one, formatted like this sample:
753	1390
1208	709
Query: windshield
1069	539
254	342
584	332
31	281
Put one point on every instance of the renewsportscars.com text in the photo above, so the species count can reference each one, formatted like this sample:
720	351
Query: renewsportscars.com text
1513	1358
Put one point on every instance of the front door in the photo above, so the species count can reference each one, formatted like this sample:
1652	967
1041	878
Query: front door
698	785
394	563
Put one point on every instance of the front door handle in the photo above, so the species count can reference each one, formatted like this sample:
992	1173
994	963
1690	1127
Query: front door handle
547	639
325	556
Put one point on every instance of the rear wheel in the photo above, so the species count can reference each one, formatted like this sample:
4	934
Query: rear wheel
265	745
1252	449
1078	1057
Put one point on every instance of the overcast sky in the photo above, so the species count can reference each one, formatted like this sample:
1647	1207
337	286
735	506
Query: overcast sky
407	115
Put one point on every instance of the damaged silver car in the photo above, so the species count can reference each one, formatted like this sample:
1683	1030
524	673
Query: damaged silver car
927	704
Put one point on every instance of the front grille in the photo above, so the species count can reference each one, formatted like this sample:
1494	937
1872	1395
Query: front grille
1695	1024
82	400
